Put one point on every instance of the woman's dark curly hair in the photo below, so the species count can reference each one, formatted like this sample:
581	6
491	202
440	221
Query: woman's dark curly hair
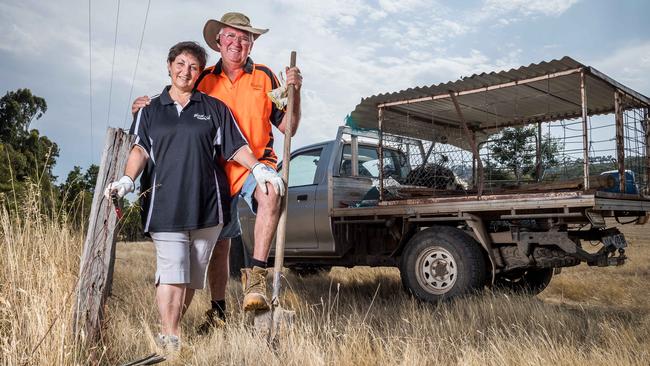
190	47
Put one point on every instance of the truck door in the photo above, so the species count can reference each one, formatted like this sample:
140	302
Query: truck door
301	232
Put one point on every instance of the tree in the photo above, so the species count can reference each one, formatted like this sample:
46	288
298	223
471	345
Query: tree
515	150
41	154
17	111
77	194
130	227
26	156
91	177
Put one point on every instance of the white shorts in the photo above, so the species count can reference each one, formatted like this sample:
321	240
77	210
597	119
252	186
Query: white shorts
183	257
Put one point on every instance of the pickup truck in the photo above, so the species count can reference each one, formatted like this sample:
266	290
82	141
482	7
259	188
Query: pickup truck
412	182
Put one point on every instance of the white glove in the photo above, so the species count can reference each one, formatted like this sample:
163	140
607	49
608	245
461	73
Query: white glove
264	174
121	187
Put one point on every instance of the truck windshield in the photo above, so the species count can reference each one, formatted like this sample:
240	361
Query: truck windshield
395	164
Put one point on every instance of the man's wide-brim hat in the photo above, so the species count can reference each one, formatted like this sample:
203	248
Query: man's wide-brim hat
233	20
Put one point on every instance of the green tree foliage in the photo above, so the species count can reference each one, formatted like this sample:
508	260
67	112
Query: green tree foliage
515	149
77	194
130	227
27	160
17	111
27	157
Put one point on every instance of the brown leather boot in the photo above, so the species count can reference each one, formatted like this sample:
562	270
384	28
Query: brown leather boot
254	284
212	321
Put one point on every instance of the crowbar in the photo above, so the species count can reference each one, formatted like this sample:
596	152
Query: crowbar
277	320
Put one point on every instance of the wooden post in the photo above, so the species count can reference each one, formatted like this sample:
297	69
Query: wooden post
620	140
98	257
472	142
281	233
585	130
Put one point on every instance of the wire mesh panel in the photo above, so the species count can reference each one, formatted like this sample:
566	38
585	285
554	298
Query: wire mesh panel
530	157
635	127
439	167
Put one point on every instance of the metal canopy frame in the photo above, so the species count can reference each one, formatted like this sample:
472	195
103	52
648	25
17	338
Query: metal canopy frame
473	108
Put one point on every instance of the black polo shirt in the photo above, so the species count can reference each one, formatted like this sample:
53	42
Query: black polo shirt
183	187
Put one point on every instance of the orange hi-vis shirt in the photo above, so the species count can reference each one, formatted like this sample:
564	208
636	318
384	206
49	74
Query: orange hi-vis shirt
254	112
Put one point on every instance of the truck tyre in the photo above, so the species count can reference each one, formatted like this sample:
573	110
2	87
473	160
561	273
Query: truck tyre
239	257
531	281
441	263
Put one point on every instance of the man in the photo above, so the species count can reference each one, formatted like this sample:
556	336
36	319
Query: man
243	86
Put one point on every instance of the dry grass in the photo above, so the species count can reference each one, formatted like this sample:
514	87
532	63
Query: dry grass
39	261
594	316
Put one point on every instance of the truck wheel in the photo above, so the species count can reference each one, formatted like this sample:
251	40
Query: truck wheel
238	258
531	281
441	263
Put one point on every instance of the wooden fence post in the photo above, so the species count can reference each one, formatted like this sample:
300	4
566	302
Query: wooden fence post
98	257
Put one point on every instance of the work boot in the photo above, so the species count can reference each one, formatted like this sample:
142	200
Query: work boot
254	284
212	321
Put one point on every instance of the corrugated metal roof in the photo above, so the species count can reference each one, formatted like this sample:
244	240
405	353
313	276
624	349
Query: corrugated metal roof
540	92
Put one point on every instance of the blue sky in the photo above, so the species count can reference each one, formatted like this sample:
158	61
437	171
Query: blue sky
347	49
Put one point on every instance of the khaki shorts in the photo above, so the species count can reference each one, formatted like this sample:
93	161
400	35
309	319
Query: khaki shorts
183	257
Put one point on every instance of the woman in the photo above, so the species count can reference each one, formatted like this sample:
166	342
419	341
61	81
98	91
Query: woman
181	138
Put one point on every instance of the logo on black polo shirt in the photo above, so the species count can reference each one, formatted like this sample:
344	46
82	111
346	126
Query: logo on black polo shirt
202	117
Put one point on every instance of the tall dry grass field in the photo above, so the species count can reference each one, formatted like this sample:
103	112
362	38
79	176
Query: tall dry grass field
587	316
39	262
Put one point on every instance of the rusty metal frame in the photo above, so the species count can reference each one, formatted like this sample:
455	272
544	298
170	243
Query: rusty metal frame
354	151
646	118
620	139
538	154
585	130
621	95
483	89
472	141
380	122
467	204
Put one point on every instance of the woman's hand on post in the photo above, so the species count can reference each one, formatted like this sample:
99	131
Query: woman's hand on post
264	174
120	188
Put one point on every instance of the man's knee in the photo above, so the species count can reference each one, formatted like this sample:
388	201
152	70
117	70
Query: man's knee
267	202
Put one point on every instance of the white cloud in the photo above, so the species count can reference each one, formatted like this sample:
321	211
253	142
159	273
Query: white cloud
402	6
506	12
31	37
528	7
329	17
629	65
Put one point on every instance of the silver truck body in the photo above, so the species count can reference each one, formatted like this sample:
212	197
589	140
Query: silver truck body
349	207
